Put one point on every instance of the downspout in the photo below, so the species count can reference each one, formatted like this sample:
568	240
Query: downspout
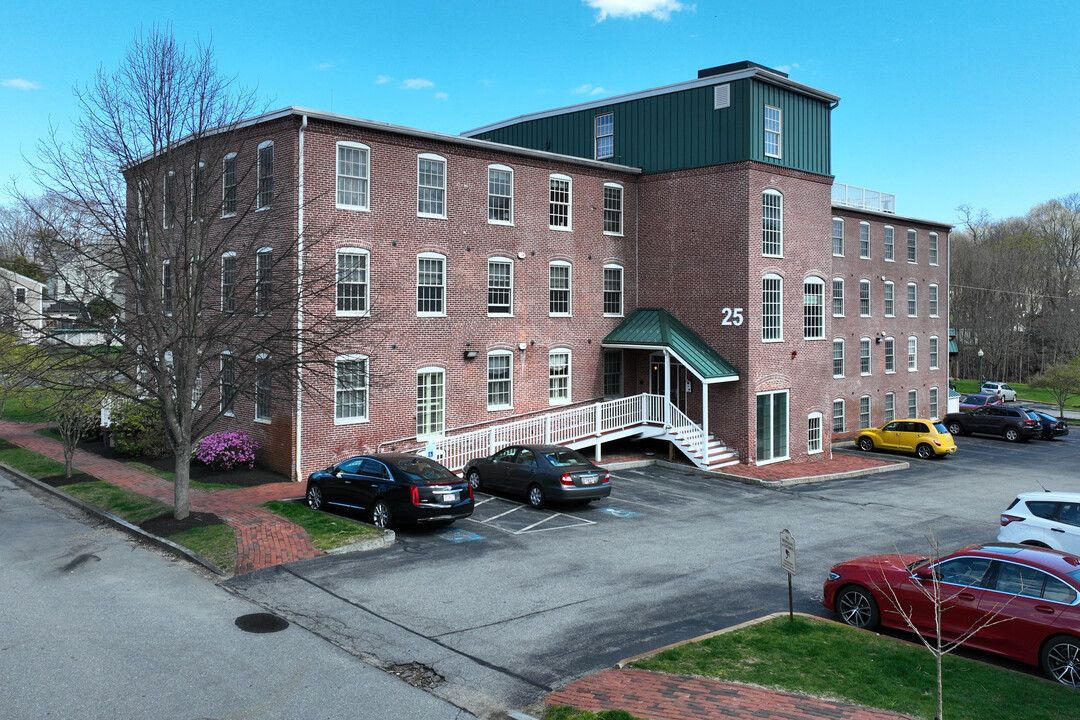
299	426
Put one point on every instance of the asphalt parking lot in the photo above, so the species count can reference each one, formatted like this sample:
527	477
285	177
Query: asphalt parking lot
515	602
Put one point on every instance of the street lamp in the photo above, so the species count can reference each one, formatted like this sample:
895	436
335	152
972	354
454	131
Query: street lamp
980	364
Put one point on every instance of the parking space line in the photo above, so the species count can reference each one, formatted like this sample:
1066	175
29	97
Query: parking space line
496	517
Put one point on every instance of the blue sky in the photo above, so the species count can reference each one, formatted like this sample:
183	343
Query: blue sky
941	103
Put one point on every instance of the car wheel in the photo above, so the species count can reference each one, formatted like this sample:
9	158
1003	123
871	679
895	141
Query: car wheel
866	444
1060	659
857	607
924	451
1012	434
956	428
380	515
314	497
474	479
536	496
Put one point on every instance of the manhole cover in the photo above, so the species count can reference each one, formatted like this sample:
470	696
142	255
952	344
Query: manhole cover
261	623
417	675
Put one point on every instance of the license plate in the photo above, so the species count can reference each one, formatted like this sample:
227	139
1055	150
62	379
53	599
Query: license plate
589	479
450	497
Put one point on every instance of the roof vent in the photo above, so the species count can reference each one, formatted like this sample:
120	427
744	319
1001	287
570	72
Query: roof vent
721	96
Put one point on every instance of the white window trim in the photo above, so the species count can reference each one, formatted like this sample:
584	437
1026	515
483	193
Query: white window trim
367	284
432	256
868	240
869	357
931	342
432	369
500	353
843	297
780	328
890	284
569	289
224	256
777	193
933	398
841	221
869	298
890	415
261	253
569	202
236	188
931	301
569	376
221	377
337	176
913	356
912	260
487	302
779	132
821	434
262	420
366	417
933	249
597	136
258	176
885	343
909	299
887	246
622	285
913	393
787	425
445	189
869	412
814	280
622	207
501	168
843	358
167	191
843	416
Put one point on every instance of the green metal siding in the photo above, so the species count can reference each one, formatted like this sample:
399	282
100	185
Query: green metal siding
681	130
658	328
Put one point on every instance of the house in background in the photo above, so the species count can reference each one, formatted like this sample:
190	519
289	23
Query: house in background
676	263
21	303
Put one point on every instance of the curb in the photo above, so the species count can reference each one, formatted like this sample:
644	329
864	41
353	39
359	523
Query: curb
119	523
380	543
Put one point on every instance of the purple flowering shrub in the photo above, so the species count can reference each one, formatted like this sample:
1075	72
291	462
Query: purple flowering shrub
227	450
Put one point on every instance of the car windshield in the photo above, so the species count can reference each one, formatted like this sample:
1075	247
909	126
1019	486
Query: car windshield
941	428
424	469
566	457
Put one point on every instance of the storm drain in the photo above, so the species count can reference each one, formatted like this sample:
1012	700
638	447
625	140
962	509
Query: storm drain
261	623
417	675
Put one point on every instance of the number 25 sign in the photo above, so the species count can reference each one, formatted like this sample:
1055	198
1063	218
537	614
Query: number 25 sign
731	316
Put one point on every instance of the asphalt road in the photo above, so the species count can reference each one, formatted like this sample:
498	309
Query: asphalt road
513	602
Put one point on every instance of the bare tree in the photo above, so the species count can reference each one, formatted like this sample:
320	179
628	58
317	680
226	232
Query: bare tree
211	283
75	407
1063	382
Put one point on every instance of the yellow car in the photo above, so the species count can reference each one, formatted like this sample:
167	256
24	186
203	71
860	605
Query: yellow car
925	438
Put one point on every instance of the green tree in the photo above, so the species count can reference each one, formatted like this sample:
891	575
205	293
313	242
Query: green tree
76	409
24	267
1063	382
19	365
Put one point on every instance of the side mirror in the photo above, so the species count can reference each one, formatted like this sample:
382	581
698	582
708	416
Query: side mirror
924	574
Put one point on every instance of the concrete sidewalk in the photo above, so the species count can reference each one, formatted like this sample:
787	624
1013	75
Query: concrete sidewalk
263	539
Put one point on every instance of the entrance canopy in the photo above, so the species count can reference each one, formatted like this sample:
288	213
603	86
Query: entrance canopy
654	329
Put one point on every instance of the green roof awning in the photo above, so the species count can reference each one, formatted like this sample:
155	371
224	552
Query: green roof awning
952	347
652	329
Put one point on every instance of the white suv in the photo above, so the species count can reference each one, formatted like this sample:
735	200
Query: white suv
1001	390
1046	519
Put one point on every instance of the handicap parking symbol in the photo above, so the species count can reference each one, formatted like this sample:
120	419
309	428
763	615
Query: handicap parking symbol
617	512
456	535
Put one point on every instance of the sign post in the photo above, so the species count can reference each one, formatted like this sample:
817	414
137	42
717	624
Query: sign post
787	562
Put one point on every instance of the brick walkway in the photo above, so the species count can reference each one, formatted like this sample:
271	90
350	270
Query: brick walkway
263	539
659	696
839	463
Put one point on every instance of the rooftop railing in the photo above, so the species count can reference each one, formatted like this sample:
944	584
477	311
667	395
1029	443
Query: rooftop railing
864	199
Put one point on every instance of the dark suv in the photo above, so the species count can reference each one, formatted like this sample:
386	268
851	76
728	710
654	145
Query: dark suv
1011	423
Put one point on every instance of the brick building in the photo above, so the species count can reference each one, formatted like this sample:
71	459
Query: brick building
653	243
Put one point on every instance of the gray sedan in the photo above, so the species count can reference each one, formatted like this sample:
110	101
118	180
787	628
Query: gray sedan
540	473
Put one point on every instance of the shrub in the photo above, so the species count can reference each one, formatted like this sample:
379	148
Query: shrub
137	430
226	450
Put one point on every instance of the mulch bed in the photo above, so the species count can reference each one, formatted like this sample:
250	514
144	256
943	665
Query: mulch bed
166	525
60	481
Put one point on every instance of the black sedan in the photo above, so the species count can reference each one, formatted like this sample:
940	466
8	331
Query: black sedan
540	473
392	488
1051	426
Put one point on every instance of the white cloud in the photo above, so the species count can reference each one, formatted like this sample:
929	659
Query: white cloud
630	9
416	84
588	89
323	65
20	84
788	68
441	96
598	91
382	79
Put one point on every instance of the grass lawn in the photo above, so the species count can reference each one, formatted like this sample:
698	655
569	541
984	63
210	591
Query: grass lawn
27	407
561	712
1023	392
34	465
216	543
130	506
829	660
327	531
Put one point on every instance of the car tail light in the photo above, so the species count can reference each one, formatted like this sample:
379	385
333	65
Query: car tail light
469	485
567	480
607	476
1006	519
414	495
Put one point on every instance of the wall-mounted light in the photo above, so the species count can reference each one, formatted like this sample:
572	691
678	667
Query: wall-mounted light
471	354
794	353
877	341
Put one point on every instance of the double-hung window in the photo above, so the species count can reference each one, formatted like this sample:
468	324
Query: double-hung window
500	384
263	388
933	403
890	299
912	246
772	224
890	407
890	245
559	376
500	295
431	186
265	172
813	433
430	285
773	131
228	282
613	290
813	309
838	297
864	240
167	287
228	185
559	289
864	298
838	423
933	300
864	356
500	195
352	281
912	300
352	176
227	384
613	375
560	189
168	207
912	353
913	403
430	402
613	209
263	279
838	358
605	136
890	355
772	308
932	252
772	427
933	342
838	237
350	389
864	412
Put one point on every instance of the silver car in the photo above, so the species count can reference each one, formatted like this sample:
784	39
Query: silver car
540	473
1044	519
999	389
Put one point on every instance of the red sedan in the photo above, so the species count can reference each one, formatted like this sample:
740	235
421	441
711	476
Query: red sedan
1024	600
